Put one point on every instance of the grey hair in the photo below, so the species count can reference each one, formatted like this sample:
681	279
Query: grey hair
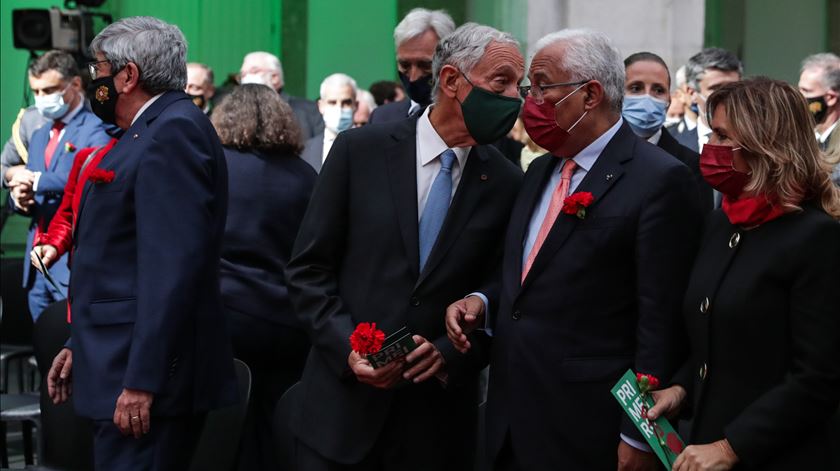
679	77
710	58
159	50
269	60
420	20
464	48
364	96
338	80
829	65
210	79
590	55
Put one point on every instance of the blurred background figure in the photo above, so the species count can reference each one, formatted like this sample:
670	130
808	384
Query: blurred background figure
819	82
763	378
264	68
337	106
416	37
530	149
268	188
386	91
678	104
365	106
200	85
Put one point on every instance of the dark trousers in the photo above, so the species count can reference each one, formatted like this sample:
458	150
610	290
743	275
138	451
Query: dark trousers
275	355
169	445
42	294
506	459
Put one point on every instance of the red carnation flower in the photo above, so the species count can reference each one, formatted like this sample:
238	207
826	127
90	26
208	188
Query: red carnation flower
366	339
647	382
577	203
100	175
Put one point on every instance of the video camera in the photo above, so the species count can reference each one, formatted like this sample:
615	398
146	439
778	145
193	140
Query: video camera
69	30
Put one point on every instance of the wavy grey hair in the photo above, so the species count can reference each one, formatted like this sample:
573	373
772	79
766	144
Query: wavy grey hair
464	48
420	20
590	55
710	58
157	48
829	66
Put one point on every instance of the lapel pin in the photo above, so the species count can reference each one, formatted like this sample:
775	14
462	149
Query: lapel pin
483	177
609	176
135	136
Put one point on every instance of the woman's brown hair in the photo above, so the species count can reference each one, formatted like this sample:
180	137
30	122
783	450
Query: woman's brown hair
771	122
254	117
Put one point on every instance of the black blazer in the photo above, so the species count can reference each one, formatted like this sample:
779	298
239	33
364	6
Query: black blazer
390	112
688	138
267	196
691	159
313	152
765	349
602	296
356	259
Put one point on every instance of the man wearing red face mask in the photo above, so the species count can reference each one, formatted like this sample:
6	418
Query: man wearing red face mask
587	290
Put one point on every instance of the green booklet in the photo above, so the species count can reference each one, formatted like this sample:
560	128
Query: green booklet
396	345
659	433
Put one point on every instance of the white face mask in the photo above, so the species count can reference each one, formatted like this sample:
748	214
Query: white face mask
261	78
338	119
52	106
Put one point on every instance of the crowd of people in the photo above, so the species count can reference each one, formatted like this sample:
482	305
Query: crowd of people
560	220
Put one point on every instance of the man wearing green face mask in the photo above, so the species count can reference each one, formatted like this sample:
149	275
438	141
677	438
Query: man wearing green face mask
408	216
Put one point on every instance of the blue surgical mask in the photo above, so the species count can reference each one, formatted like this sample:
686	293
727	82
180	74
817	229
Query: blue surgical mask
644	113
338	119
52	106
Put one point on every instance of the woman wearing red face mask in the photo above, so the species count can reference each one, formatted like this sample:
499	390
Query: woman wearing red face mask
761	309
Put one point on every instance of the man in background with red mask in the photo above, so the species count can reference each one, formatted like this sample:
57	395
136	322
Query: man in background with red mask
588	290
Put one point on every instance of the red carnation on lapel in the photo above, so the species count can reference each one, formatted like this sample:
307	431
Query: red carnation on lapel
577	203
367	339
100	175
69	147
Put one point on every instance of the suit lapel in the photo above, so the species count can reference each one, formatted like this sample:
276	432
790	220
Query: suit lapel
606	171
466	198
71	130
402	179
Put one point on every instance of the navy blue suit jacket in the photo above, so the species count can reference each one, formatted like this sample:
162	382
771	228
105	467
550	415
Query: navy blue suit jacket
687	138
604	294
84	130
390	112
267	197
147	312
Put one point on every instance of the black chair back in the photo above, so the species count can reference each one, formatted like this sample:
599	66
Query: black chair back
67	438
218	446
15	320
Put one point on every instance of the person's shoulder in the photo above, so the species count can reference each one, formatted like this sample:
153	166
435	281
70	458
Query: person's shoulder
498	162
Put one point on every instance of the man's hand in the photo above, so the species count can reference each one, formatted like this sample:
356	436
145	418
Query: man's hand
132	414
18	174
384	378
59	379
716	456
48	254
631	459
462	317
667	402
425	360
23	196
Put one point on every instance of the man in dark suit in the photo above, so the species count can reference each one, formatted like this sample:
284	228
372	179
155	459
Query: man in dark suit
37	190
337	104
406	216
265	68
416	37
819	82
149	352
586	292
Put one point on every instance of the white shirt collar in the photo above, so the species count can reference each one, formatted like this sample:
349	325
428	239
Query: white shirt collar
824	136
655	138
703	129
689	124
145	107
412	106
587	157
430	144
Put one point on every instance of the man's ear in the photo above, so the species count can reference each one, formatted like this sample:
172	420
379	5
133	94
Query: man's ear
132	77
831	98
594	94
448	80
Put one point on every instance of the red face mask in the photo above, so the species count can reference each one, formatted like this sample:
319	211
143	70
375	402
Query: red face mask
718	168
541	124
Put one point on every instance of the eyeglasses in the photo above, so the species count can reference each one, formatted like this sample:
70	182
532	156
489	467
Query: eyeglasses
536	91
93	68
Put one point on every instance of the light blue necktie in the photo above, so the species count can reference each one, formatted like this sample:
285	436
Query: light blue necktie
437	204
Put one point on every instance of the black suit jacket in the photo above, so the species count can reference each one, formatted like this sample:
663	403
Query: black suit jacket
691	159
267	197
765	354
313	152
390	112
356	259
308	117
603	295
687	138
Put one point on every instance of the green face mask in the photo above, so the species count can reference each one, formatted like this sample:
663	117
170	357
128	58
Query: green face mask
487	115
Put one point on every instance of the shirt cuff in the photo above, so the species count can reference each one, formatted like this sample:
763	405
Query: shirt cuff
486	302
636	444
35	181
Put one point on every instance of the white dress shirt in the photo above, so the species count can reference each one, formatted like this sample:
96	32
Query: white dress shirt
824	136
145	107
329	138
429	147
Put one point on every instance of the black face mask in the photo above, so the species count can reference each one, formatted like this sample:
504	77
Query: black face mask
420	90
199	101
104	102
818	107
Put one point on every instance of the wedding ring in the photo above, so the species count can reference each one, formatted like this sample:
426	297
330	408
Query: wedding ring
136	417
